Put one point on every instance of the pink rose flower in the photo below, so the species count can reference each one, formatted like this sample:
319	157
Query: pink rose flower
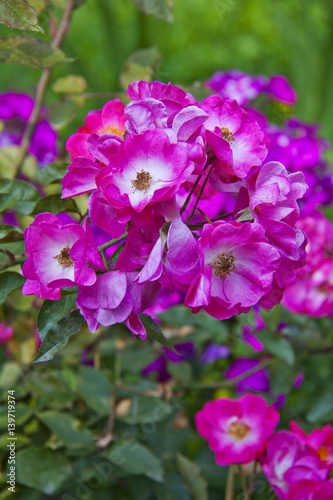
58	256
146	169
238	143
110	120
237	430
237	267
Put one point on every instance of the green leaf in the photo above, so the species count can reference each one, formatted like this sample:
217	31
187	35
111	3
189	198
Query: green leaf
30	52
135	459
193	478
64	111
55	205
52	311
154	332
42	469
159	8
70	84
95	389
147	410
140	66
180	371
58	336
19	195
9	373
9	281
67	428
51	173
20	15
322	406
278	346
9	233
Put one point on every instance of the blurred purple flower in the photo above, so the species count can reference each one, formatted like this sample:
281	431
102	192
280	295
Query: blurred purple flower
214	352
186	351
258	381
15	111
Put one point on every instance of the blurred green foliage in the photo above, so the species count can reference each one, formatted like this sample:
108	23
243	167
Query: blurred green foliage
292	37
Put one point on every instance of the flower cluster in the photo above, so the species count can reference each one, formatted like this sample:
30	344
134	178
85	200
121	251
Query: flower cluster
185	204
297	465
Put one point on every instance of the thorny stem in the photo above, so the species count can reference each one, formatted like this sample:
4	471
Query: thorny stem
229	492
200	192
42	86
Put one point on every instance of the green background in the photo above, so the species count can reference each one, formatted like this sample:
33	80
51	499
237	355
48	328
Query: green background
292	37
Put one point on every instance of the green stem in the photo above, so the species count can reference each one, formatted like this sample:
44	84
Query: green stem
42	86
243	481
225	383
109	244
200	192
229	492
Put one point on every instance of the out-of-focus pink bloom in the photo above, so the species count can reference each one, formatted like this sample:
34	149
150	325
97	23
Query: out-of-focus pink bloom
108	123
237	430
311	490
237	85
320	440
280	89
237	267
287	462
15	111
58	256
238	143
244	87
258	381
6	333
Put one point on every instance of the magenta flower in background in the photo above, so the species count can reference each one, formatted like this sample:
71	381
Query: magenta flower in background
6	333
287	462
244	87
311	292
237	430
311	490
15	111
58	256
320	440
